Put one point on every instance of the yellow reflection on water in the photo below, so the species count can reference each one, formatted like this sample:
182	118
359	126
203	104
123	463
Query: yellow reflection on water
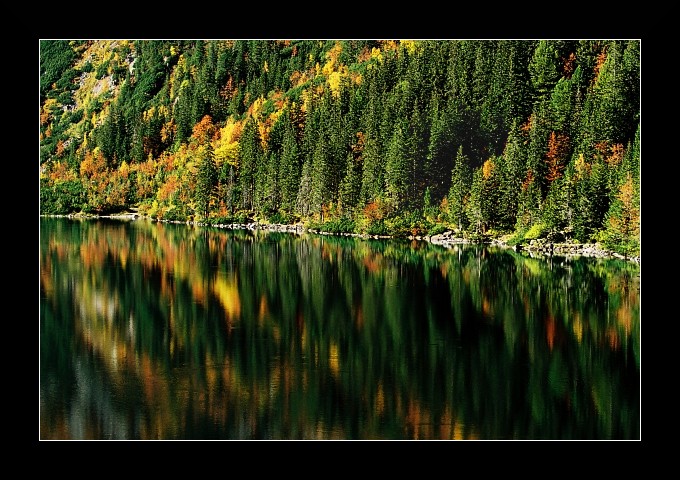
226	290
334	359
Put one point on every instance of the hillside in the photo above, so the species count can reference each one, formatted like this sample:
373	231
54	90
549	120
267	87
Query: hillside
525	138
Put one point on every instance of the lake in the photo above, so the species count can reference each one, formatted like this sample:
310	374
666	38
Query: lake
159	331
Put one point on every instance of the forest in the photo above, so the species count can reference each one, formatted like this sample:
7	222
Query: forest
512	139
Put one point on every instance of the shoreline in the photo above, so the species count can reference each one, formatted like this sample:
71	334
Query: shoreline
541	247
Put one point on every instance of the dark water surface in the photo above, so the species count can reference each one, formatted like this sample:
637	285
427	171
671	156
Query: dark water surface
164	331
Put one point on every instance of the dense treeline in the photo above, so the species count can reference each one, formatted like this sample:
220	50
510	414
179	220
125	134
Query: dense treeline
527	139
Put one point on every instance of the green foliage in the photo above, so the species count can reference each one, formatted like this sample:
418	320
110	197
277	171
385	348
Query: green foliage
282	217
206	180
434	133
378	227
339	225
537	230
56	58
60	198
239	217
437	229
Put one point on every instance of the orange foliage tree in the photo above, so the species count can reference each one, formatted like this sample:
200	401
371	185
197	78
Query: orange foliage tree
558	145
623	219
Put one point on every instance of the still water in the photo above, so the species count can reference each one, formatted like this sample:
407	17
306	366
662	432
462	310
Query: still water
163	331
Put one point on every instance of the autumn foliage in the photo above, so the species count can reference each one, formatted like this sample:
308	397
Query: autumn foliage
346	122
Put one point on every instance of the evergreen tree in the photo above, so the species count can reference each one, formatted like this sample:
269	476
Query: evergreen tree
206	179
248	153
562	106
321	192
503	191
555	212
461	177
289	168
529	202
474	210
417	148
622	222
350	187
372	181
437	163
514	161
304	197
538	145
271	200
183	114
544	68
397	169
616	102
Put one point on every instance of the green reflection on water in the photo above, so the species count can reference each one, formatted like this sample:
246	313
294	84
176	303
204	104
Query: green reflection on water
163	331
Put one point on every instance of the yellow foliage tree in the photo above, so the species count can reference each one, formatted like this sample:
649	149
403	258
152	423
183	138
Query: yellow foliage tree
487	169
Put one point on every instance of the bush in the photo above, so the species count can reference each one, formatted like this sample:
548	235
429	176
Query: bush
377	228
236	217
537	230
437	229
282	218
340	225
61	197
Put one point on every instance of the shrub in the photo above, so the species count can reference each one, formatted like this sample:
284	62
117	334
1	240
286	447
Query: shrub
437	229
537	230
377	228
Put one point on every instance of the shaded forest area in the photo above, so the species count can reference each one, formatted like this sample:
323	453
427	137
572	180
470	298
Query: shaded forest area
519	139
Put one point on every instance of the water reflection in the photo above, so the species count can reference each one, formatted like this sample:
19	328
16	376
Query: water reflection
163	331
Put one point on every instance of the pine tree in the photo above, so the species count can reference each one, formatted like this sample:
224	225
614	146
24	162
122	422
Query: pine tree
289	168
350	186
372	182
474	209
248	153
320	181
397	169
206	179
514	171
437	163
544	68
461	177
562	106
612	108
304	196
538	145
555	211
622	222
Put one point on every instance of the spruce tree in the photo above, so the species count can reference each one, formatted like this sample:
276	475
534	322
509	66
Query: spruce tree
460	187
350	186
248	153
206	179
289	168
397	169
544	68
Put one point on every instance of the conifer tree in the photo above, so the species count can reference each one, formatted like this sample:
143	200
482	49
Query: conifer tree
350	187
304	196
248	153
544	68
461	177
622	222
206	179
474	209
289	168
616	104
437	164
397	168
538	145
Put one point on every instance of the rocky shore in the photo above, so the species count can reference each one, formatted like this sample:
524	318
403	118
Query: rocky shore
539	246
446	239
